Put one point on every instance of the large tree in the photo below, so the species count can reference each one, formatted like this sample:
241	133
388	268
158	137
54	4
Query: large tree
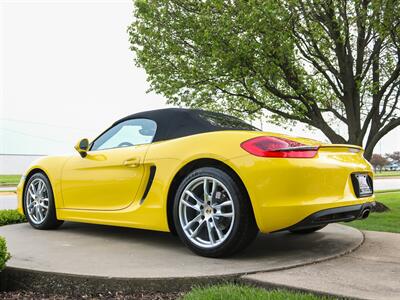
325	63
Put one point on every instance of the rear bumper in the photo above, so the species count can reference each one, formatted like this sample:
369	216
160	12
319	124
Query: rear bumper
283	192
334	215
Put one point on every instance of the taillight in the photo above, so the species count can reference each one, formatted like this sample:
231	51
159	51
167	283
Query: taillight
271	146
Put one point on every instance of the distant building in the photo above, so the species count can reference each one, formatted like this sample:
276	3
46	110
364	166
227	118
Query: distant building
16	164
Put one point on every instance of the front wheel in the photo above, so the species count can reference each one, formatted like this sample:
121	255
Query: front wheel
39	207
212	215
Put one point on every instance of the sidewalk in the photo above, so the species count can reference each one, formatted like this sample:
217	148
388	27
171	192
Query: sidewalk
370	272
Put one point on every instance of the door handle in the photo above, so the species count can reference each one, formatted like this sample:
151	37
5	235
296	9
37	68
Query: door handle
132	162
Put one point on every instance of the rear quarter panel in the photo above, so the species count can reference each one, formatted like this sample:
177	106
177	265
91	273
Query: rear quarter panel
285	191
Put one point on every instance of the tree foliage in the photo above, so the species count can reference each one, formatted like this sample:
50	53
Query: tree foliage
378	161
394	157
319	62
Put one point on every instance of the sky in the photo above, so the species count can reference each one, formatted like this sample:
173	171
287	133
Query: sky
66	72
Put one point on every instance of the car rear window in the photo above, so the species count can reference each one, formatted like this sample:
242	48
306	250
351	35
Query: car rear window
225	121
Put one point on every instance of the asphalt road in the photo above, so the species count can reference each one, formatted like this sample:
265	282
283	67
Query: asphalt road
7	188
387	184
8	201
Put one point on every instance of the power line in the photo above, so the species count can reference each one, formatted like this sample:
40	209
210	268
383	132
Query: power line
35	136
43	124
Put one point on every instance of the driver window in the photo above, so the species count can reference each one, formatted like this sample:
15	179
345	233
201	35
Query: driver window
125	134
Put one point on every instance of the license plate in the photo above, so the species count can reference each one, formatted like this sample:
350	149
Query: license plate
362	185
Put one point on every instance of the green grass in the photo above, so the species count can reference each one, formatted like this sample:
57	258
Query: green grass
9	179
238	292
386	191
387	174
11	216
387	221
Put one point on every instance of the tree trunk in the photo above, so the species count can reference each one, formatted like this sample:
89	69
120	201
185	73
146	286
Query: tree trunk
368	152
373	139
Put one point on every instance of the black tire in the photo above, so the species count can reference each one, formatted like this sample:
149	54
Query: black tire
243	227
307	230
50	220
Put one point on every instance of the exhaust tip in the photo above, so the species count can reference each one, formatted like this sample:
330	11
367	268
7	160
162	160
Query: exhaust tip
365	213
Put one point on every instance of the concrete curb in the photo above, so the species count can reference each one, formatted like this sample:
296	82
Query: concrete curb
71	284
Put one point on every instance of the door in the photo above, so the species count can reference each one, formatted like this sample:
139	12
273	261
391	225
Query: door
109	177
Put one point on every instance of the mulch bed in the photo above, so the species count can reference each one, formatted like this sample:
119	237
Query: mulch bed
118	296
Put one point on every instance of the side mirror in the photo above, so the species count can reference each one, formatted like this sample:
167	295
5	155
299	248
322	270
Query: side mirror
82	147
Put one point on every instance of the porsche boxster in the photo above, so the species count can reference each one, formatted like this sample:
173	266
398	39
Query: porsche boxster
210	178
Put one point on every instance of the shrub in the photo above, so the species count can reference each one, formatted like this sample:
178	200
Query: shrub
4	255
8	216
11	216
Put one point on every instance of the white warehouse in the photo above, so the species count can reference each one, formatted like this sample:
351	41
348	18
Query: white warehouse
15	164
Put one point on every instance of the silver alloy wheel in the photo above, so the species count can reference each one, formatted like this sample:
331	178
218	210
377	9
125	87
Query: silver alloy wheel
206	212
37	201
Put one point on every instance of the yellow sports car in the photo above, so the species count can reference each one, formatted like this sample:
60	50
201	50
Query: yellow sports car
211	178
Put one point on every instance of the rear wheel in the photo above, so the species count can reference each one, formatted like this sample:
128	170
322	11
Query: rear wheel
307	230
39	204
212	216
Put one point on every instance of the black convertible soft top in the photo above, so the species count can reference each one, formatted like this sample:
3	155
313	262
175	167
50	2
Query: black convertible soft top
179	122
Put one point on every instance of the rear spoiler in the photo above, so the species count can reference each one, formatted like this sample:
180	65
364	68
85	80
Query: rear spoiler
355	148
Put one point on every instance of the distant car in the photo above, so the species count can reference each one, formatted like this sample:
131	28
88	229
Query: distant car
392	167
211	178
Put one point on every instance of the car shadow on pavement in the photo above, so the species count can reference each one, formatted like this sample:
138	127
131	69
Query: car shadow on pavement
277	245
